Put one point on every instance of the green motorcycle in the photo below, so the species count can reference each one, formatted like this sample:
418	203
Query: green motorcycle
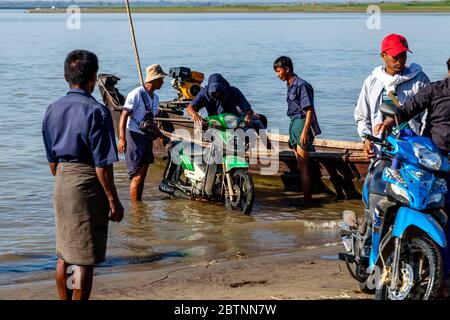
217	172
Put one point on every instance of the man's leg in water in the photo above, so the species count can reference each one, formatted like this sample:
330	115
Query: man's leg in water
303	169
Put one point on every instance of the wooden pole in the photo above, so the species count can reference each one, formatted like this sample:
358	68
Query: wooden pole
133	38
174	120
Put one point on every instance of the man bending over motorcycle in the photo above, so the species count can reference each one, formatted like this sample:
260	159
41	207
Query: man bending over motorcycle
218	96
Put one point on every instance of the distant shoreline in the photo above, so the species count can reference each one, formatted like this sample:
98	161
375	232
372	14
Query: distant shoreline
409	7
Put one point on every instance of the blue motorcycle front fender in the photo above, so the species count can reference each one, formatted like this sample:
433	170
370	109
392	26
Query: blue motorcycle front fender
407	217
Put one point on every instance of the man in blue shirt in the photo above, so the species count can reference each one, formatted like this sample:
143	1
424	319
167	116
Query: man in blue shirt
304	125
80	144
218	97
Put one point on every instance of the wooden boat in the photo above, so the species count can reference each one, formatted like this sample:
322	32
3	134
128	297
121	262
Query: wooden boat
338	165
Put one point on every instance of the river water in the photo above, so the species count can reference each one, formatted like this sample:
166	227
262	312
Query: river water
334	52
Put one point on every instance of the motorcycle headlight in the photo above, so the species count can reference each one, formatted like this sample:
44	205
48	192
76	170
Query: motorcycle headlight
231	121
399	192
427	158
395	175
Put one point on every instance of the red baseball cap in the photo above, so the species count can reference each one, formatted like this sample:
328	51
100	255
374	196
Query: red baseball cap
394	44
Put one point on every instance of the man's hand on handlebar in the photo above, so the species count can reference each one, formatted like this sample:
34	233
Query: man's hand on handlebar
368	149
197	119
248	120
386	125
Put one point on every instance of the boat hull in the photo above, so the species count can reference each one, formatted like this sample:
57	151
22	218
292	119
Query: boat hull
337	165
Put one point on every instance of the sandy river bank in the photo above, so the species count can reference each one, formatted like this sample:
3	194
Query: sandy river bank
305	274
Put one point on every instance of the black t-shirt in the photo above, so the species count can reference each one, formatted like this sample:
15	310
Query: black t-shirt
435	98
234	98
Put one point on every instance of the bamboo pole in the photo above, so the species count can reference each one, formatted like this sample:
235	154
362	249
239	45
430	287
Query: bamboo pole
136	52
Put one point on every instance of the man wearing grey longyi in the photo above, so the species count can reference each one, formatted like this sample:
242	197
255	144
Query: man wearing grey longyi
80	144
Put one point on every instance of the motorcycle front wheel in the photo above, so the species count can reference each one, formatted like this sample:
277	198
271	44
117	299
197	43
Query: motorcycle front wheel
421	270
244	190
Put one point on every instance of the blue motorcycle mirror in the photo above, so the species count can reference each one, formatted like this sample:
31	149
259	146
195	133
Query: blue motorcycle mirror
388	110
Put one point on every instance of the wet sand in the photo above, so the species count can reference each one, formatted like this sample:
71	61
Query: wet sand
304	274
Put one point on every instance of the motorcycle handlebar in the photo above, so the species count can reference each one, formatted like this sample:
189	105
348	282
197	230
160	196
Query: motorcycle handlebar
374	139
378	141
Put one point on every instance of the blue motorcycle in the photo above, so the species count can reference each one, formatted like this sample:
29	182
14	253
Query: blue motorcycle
396	251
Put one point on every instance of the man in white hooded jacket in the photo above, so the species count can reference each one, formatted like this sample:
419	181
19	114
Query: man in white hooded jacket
392	83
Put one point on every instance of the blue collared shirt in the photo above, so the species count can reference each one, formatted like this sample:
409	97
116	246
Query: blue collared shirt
300	96
234	98
77	128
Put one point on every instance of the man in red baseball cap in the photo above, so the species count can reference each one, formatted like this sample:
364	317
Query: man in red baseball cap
394	83
393	51
394	44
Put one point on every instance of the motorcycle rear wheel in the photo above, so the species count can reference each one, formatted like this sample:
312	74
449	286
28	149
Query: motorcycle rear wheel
428	276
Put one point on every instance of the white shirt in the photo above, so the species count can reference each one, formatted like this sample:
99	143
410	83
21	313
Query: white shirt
135	105
367	111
